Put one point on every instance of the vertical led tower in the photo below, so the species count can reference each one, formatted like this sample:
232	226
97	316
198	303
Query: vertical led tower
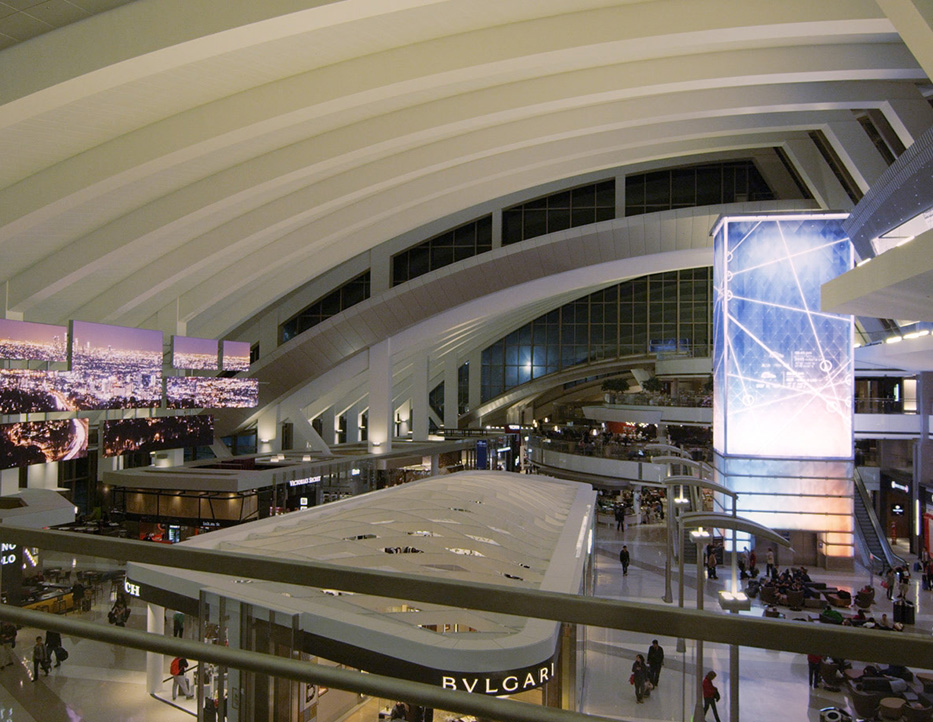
782	411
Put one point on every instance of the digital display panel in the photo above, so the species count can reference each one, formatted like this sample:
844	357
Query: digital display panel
236	356
151	434
782	368
193	392
39	442
33	341
116	367
25	391
194	353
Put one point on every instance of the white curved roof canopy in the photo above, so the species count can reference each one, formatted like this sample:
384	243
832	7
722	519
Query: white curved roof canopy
187	166
485	527
202	168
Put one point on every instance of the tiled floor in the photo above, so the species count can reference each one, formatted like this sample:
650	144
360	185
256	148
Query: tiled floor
99	682
773	685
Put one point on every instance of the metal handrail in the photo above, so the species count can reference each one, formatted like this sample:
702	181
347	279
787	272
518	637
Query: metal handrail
891	559
557	606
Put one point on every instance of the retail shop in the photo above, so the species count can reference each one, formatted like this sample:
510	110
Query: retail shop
486	527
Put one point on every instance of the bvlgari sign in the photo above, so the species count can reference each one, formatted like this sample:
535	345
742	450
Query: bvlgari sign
502	683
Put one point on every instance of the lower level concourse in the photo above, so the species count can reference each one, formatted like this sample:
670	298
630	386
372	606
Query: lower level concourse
99	681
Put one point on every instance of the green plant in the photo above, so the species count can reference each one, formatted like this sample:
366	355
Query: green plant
616	384
652	385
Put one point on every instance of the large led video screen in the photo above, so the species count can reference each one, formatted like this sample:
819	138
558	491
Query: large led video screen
33	341
235	356
116	367
782	368
194	353
27	391
152	434
195	392
39	442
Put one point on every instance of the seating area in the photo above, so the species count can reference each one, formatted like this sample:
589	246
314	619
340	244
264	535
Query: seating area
889	693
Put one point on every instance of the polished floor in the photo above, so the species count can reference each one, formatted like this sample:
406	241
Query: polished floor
101	682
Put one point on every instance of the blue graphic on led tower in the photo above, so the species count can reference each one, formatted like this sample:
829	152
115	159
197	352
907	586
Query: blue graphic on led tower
782	368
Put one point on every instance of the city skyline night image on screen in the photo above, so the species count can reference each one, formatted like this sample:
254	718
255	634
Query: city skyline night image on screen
152	434
39	442
235	356
193	392
33	341
116	367
189	352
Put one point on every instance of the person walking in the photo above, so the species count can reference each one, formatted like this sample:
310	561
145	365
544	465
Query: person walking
53	643
7	642
814	661
620	518
625	558
752	564
710	695
903	582
711	562
639	677
889	580
769	569
180	682
655	662
40	658
178	624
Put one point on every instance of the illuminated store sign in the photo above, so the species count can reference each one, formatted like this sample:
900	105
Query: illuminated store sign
900	487
517	681
7	554
130	588
306	480
782	368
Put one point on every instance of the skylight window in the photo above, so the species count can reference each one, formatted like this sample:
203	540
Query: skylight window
483	539
465	552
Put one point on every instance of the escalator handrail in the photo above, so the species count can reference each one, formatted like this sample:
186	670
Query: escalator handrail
890	558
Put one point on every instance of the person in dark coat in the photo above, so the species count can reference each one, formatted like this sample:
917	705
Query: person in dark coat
655	662
625	558
639	677
53	642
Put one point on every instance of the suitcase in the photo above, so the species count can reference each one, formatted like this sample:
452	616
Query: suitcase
904	613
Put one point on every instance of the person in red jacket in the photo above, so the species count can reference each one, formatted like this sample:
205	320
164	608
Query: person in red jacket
710	694
814	662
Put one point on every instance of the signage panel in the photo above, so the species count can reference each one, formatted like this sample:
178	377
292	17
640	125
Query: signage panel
782	367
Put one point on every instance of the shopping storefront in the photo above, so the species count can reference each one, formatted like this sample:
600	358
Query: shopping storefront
488	527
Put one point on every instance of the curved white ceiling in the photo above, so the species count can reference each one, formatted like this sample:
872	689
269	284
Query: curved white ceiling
208	165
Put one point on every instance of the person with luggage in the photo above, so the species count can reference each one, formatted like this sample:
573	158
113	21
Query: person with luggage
639	678
53	643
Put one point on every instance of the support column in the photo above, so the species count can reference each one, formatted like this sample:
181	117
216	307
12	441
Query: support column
451	412
923	454
381	421
475	361
353	422
419	398
155	624
913	20
328	426
857	152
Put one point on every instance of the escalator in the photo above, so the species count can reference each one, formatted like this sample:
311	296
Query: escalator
870	532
